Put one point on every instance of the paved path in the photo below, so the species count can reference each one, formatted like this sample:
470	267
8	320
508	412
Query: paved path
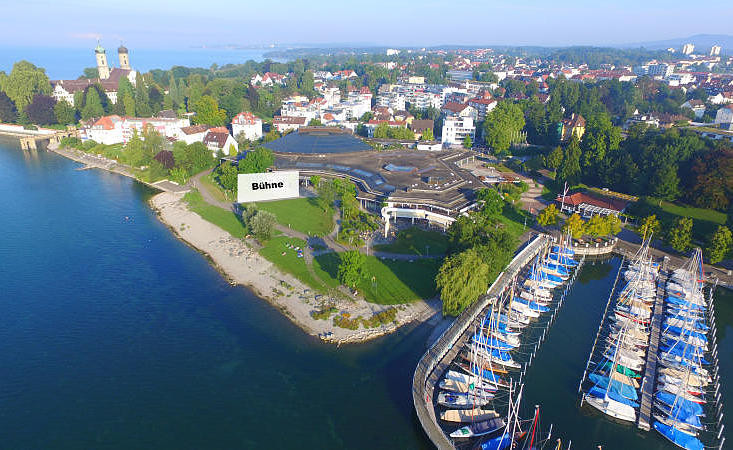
195	182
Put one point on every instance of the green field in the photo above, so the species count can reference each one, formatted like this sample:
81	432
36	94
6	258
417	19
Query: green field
301	214
394	282
705	221
222	218
286	259
414	240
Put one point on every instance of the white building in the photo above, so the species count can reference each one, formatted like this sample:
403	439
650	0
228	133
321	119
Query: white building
724	117
455	130
107	130
715	50
119	130
688	48
392	52
249	124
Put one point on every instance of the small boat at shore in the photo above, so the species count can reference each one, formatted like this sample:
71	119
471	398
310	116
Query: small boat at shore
468	415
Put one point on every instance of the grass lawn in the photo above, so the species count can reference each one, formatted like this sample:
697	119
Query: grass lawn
289	261
395	282
212	187
224	219
301	214
513	220
413	241
705	221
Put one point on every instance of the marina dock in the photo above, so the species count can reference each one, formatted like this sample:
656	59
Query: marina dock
650	374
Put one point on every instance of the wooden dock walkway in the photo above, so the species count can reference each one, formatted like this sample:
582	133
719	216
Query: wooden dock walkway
650	372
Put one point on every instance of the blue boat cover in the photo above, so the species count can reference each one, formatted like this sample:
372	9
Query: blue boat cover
497	443
616	386
681	439
596	391
686	407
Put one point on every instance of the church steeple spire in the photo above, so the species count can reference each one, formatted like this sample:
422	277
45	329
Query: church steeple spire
102	66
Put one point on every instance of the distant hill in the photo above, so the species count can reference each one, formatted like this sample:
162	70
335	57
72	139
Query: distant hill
702	43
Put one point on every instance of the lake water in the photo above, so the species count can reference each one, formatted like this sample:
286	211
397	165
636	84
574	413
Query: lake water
70	63
114	334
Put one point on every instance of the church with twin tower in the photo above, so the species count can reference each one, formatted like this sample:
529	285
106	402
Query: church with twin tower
108	77
103	66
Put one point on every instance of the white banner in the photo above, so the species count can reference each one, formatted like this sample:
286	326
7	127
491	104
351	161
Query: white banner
255	187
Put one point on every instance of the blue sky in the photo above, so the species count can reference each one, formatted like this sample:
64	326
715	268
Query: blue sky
185	23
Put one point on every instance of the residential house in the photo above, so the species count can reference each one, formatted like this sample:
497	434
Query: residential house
588	205
574	126
287	123
268	79
697	106
247	123
193	133
219	140
420	126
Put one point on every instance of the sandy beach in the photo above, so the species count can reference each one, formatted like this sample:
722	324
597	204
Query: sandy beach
241	264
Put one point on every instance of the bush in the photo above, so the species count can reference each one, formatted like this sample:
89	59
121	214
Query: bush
344	321
324	314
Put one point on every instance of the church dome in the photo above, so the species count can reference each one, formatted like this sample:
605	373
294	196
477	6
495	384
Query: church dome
99	48
122	49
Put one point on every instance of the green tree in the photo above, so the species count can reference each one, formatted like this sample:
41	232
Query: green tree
208	112
262	225
719	245
554	158
596	226
125	98
271	135
502	125
315	123
467	142
427	135
92	105
493	202
65	113
613	224
574	225
315	180
381	131
548	216
257	160
569	169
25	81
228	176
142	99
8	111
352	268
649	227
462	279
680	236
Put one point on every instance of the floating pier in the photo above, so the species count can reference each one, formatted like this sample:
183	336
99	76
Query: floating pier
650	373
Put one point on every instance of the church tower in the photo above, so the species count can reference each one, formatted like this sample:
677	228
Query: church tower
102	66
124	58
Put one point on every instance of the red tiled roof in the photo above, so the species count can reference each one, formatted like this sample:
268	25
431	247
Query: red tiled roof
601	202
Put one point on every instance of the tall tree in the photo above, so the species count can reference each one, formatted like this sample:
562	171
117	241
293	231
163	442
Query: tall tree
25	81
208	112
92	105
125	98
142	100
502	126
257	160
40	111
352	268
262	225
574	225
569	169
8	111
554	158
65	113
681	235
462	279
649	227
719	245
